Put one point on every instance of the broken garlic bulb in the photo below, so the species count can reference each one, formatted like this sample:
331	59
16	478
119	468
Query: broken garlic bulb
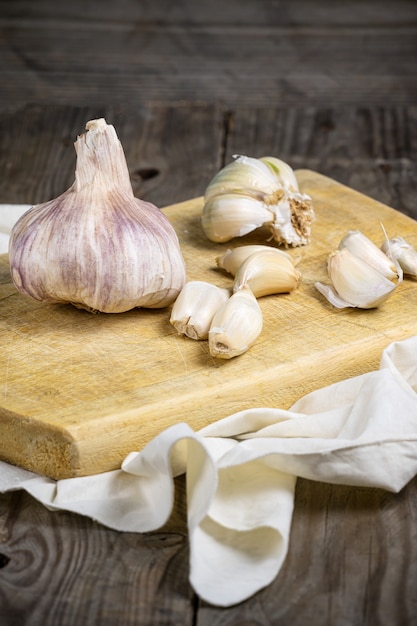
249	193
97	246
195	307
362	275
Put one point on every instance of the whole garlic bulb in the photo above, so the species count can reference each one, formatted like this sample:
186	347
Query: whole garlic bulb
96	245
249	193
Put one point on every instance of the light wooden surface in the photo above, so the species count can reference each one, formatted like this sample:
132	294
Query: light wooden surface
81	391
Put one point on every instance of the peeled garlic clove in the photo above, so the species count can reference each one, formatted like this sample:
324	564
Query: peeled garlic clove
358	244
232	259
267	273
245	175
403	252
355	282
195	307
282	171
236	325
227	216
97	246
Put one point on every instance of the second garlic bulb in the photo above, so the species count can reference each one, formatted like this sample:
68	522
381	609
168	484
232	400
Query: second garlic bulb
249	193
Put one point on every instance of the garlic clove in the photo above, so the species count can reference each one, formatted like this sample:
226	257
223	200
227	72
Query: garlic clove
245	175
355	283
284	172
363	248
236	325
232	259
227	216
96	245
194	309
267	273
399	250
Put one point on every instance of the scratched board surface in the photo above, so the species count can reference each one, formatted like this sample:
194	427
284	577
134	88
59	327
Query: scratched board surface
78	391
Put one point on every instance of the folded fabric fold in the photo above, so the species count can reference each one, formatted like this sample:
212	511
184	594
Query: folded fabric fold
242	470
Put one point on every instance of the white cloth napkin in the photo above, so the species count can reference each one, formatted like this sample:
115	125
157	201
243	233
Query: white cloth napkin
9	214
241	473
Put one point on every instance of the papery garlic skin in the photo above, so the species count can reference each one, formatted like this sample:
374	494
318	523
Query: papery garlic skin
257	192
193	311
232	259
403	252
267	273
236	325
97	246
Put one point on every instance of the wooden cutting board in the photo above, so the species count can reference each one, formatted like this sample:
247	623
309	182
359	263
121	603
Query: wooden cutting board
78	391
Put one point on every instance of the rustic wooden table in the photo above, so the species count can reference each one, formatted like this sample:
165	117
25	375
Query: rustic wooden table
188	85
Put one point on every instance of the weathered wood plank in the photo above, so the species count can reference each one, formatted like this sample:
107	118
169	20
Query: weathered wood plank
371	149
352	560
60	568
171	151
253	12
80	62
174	151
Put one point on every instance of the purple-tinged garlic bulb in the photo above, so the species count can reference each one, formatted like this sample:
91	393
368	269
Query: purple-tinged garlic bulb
96	246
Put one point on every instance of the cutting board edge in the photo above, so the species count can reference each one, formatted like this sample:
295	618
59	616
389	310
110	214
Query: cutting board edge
46	445
78	458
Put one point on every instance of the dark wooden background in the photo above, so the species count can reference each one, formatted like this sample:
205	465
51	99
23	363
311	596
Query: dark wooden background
325	85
